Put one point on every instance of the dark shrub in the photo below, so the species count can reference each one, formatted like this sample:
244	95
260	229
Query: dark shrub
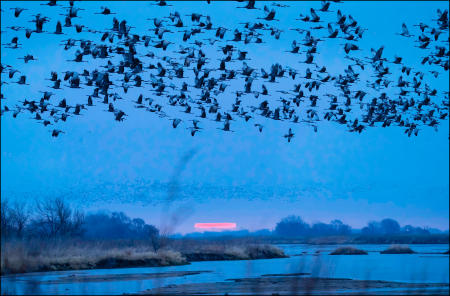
398	249
348	251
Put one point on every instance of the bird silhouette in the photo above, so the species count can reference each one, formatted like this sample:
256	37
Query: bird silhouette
210	74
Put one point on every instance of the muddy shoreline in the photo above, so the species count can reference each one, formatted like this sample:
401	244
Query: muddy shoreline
300	285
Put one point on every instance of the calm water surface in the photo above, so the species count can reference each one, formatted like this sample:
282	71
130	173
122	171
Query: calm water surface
421	267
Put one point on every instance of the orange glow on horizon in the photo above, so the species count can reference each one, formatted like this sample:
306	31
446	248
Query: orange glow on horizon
215	225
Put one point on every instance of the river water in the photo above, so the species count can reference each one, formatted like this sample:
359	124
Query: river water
424	267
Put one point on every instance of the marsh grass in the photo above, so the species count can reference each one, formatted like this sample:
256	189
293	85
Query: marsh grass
31	256
21	256
348	251
398	249
233	252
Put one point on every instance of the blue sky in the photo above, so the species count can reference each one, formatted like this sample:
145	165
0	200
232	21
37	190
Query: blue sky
247	177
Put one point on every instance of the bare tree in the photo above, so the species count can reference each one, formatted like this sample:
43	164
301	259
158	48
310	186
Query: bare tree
77	222
5	218
19	216
14	218
55	218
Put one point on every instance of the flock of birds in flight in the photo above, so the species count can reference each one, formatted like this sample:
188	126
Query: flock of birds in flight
395	95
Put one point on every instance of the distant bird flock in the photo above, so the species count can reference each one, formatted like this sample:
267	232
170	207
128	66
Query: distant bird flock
180	77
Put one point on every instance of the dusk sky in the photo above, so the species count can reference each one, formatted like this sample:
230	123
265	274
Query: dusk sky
245	177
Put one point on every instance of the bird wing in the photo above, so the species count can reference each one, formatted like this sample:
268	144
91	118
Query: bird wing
404	29
314	14
294	44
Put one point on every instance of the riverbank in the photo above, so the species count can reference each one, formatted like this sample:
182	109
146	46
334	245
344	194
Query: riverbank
426	266
25	257
300	285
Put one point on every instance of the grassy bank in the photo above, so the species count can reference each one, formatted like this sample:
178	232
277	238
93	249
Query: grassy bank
398	249
236	252
37	256
348	251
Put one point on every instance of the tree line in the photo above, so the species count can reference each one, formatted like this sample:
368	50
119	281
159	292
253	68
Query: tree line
54	218
294	226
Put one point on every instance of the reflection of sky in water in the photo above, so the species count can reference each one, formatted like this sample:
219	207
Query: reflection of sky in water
419	268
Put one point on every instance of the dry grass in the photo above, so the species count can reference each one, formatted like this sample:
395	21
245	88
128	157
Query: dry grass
30	256
233	252
207	250
37	255
348	251
398	249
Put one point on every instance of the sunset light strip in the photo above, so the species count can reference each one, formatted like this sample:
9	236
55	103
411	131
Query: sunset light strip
215	225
